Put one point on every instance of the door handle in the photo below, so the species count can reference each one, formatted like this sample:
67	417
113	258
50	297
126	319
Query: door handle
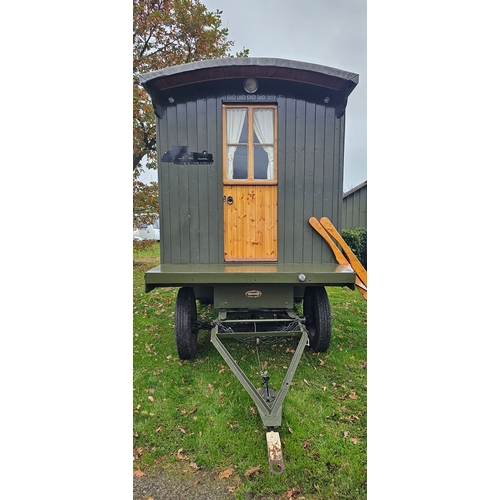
229	200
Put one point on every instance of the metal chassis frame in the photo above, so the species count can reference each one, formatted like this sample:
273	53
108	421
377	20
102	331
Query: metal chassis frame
269	402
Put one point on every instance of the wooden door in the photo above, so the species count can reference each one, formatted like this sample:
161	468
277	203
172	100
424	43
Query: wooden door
250	223
250	192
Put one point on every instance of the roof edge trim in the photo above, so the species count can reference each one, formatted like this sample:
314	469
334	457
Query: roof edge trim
249	61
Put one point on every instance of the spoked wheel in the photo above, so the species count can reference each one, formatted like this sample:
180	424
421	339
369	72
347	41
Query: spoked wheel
185	317
318	317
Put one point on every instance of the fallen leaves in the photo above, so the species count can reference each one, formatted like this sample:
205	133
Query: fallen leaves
152	399
139	473
180	456
251	471
307	383
194	466
226	474
306	443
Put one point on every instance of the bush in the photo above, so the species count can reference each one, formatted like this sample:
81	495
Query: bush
356	239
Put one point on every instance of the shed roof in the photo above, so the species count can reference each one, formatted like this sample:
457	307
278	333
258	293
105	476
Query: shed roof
354	189
246	67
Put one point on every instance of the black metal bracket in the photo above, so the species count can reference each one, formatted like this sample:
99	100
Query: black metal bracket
179	156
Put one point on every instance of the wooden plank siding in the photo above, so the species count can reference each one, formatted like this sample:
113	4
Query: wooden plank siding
354	207
310	178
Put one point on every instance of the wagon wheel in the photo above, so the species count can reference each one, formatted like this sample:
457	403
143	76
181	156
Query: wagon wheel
318	318
185	318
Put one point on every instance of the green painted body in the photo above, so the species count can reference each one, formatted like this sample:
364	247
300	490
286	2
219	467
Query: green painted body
311	101
188	102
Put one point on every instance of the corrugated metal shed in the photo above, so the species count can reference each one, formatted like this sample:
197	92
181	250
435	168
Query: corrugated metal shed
354	207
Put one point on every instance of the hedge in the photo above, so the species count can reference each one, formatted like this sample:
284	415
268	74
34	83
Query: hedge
356	239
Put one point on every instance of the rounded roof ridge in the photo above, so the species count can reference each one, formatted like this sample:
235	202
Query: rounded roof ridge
262	62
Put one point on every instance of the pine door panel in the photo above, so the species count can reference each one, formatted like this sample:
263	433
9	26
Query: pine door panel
250	223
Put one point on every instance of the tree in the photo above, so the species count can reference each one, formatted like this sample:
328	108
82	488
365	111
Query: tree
166	33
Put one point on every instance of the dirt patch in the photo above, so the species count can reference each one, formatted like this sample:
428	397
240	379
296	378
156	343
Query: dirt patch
178	482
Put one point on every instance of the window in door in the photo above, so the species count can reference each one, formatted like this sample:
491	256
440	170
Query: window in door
250	144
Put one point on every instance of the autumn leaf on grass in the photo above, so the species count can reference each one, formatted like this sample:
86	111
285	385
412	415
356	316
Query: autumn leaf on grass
307	383
306	444
321	362
353	395
291	492
231	489
354	441
151	398
289	429
226	474
180	456
194	466
193	410
139	473
250	471
137	453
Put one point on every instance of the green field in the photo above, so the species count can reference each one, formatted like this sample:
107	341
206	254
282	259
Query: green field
197	416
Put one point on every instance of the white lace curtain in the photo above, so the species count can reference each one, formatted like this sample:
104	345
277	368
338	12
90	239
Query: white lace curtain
235	121
263	125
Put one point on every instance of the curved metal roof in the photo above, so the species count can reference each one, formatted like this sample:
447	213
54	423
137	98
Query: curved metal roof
245	67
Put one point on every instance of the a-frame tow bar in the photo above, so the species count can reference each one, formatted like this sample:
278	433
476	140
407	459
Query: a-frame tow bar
268	401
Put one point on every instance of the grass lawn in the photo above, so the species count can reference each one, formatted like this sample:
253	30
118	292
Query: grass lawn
197	415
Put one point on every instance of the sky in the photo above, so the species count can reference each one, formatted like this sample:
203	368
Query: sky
332	33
